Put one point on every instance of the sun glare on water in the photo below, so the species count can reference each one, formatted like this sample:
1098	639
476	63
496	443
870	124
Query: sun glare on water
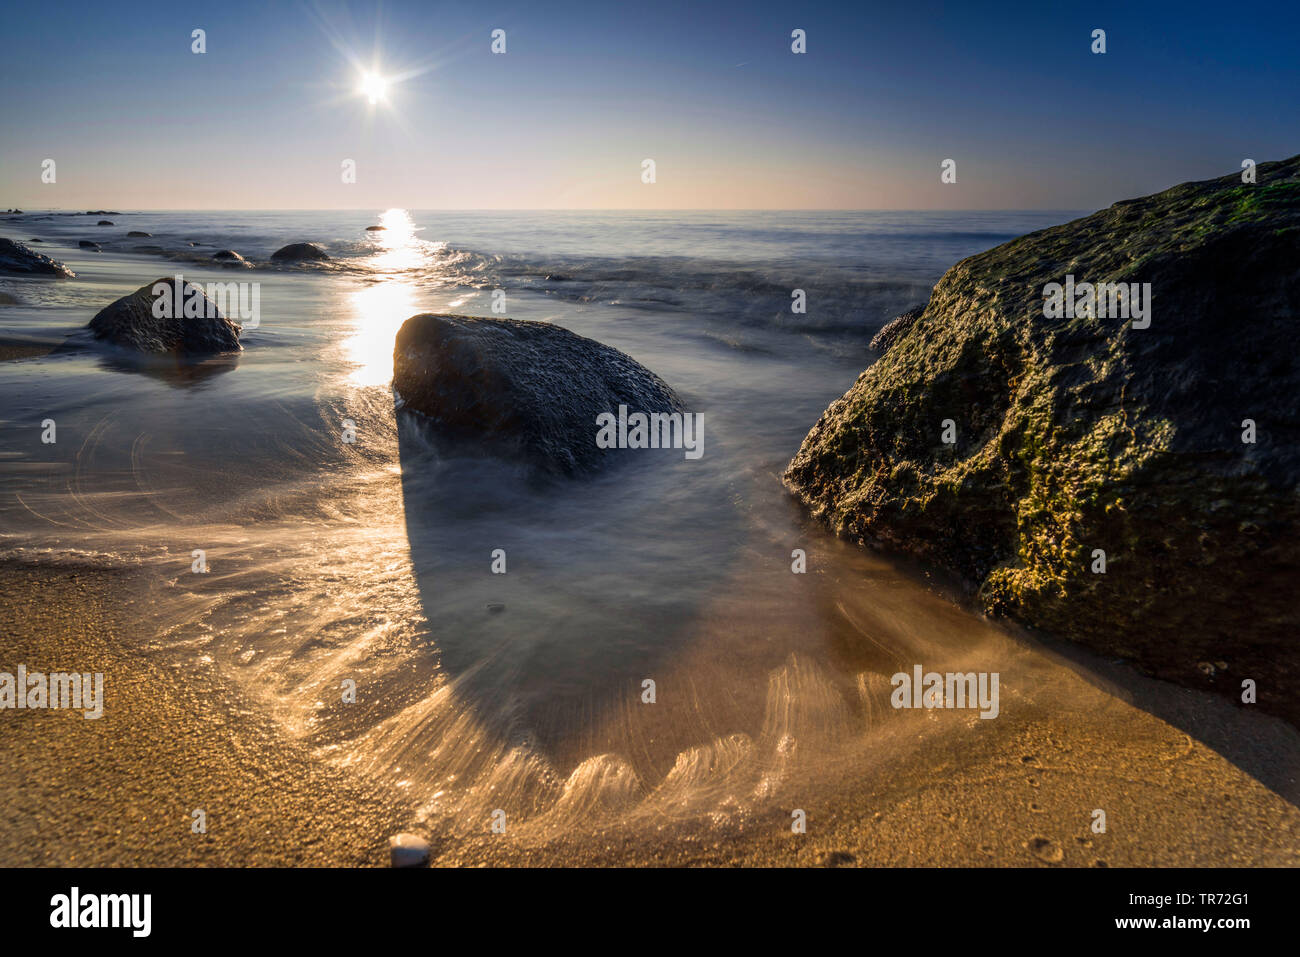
381	306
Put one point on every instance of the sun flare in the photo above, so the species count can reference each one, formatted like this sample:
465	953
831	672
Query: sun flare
373	86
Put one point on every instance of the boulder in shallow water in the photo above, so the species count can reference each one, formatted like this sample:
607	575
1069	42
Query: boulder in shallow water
17	259
139	234
104	222
531	390
1132	487
131	322
87	244
375	229
299	252
231	259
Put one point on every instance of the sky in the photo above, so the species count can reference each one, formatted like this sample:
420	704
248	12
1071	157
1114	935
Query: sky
585	92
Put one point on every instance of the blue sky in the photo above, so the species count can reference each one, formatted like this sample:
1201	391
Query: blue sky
586	91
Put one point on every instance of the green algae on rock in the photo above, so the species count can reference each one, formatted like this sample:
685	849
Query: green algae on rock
1172	449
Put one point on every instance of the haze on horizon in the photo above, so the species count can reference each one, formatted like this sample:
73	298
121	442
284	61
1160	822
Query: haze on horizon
585	92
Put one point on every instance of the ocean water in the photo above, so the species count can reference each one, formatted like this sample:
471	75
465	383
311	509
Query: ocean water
371	561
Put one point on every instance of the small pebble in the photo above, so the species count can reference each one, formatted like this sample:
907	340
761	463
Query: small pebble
408	850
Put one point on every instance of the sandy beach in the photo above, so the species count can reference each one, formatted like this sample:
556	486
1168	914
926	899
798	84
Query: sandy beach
1185	779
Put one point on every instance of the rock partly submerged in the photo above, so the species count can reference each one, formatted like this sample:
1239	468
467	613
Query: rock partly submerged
529	390
1131	489
299	252
155	324
231	259
17	259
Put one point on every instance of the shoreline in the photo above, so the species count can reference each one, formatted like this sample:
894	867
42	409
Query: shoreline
1187	780
119	791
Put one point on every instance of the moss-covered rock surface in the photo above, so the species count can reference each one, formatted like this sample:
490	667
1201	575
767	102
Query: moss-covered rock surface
1076	436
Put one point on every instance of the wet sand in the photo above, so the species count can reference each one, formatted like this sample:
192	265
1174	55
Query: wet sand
22	349
1185	778
119	791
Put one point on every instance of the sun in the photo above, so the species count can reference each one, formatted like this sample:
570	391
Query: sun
373	86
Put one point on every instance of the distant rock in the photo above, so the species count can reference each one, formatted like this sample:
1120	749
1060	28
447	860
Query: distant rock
529	390
104	222
33	240
893	330
1134	489
17	259
87	244
408	850
102	212
375	229
130	322
138	234
299	252
230	258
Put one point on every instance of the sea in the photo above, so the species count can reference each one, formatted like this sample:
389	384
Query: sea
639	644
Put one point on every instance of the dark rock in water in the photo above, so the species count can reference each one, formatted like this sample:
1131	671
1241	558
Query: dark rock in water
102	212
148	249
104	222
17	259
1076	436
138	234
528	389
893	330
230	258
87	244
375	229
193	243
299	252
33	240
130	322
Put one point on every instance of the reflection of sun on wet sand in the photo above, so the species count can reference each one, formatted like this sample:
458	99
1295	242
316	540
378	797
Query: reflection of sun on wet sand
927	789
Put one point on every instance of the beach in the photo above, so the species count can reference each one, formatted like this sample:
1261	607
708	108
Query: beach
1197	783
232	555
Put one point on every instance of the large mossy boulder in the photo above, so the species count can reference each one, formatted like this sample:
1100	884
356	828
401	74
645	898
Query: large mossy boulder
16	259
529	390
160	319
1173	449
